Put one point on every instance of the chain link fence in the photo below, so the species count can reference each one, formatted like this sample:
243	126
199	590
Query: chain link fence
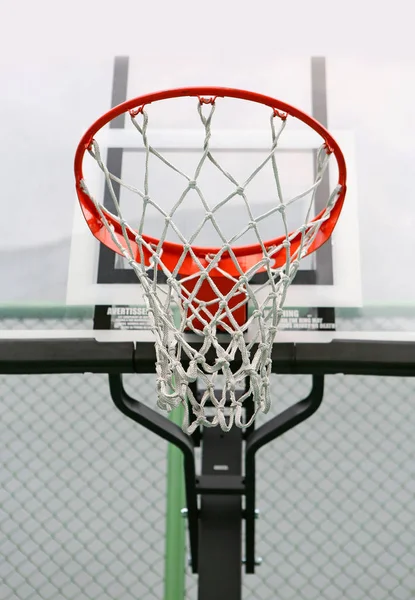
83	494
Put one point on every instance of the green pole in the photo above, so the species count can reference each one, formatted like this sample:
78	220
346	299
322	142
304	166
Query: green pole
174	575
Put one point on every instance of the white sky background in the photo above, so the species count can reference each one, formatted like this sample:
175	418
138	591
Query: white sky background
56	69
212	29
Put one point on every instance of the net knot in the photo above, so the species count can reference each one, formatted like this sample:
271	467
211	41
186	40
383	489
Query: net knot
155	260
273	295
240	190
231	386
192	184
223	361
207	331
236	402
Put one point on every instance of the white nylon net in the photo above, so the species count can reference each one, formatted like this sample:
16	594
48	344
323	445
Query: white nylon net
174	310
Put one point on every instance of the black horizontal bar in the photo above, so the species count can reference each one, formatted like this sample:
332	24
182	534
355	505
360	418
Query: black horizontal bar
220	484
145	354
351	357
70	355
356	357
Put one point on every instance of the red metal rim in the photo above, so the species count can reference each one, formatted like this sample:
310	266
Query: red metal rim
247	255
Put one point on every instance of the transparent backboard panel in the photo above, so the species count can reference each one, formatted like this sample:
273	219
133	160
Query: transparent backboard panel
54	273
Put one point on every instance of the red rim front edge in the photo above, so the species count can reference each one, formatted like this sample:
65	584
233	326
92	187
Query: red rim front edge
247	256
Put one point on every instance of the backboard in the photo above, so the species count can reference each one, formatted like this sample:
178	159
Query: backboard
58	282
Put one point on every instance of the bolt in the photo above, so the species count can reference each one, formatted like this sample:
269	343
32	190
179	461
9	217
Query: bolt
184	512
189	560
257	513
257	561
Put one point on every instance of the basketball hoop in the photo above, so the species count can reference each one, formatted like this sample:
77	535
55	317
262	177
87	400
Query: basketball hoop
206	290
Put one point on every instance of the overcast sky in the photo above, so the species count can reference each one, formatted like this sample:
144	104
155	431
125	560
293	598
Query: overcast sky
56	70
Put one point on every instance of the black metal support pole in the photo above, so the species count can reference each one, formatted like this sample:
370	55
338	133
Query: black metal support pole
274	428
220	519
170	432
215	532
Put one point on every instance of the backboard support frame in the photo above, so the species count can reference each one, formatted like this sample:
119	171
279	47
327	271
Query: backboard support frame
388	357
358	357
